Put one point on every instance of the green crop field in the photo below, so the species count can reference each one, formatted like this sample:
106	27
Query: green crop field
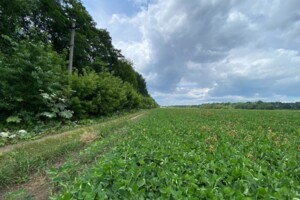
196	154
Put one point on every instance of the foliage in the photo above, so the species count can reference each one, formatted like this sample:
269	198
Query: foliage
198	154
72	168
13	119
32	80
97	94
17	164
125	71
49	21
57	106
19	194
260	105
141	84
35	89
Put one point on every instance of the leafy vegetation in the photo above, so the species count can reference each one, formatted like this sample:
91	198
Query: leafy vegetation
94	94
17	164
258	105
32	81
35	88
195	154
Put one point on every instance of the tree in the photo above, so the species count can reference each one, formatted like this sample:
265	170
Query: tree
142	86
27	75
125	71
34	43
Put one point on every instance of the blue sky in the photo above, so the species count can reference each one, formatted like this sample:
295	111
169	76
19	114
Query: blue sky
199	51
106	8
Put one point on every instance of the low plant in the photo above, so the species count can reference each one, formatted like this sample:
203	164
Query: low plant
17	165
20	194
198	154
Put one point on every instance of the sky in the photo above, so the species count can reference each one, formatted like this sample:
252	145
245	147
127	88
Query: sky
200	51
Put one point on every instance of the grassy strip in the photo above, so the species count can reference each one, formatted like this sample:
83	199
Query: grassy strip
74	167
16	166
52	128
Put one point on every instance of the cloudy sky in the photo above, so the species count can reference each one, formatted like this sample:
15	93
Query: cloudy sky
198	51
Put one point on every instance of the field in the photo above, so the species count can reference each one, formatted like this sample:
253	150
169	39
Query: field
190	154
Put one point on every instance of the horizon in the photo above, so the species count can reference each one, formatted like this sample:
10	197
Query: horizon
210	50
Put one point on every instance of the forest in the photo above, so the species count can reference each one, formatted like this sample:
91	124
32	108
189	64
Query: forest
35	86
257	105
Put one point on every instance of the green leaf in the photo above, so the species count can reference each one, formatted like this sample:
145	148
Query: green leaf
48	114
66	196
67	114
141	182
46	96
13	119
228	191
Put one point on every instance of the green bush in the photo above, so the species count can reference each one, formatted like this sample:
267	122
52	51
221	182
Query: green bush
32	81
98	94
95	94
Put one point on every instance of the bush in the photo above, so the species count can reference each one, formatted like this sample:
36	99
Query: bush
95	94
32	72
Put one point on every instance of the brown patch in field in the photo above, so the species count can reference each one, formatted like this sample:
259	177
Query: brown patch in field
38	187
87	138
277	139
248	138
270	130
212	139
233	133
211	148
205	129
251	156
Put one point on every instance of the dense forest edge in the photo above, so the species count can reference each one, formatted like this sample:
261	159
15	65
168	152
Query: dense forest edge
258	105
35	87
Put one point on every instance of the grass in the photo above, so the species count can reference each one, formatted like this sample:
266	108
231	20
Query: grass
76	166
17	165
41	130
194	154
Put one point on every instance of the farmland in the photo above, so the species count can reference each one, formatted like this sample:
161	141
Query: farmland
192	154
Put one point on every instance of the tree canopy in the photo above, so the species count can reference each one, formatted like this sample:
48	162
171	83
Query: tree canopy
258	105
34	84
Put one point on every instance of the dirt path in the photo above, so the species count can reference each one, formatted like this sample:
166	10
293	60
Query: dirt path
8	148
136	117
38	186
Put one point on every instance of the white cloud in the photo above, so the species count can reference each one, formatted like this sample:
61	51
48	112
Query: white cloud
140	53
119	19
196	51
251	72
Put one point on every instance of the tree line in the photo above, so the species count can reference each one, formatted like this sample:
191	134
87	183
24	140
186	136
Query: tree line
34	81
258	105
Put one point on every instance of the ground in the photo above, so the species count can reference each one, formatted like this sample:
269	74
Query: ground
39	185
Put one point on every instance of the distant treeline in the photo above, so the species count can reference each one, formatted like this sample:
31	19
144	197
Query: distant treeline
259	105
